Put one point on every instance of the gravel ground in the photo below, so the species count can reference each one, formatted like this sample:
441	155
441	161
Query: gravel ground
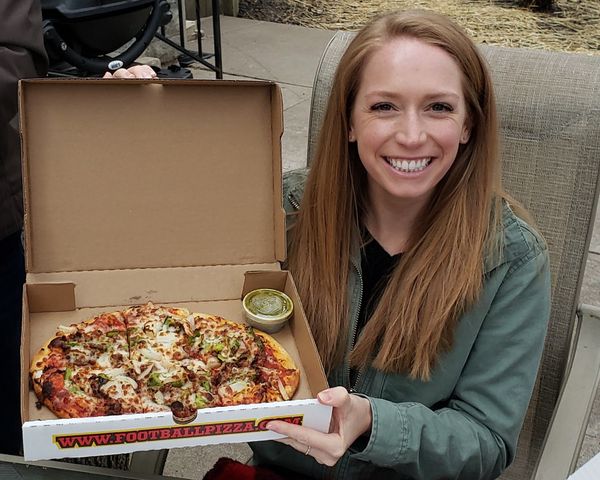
574	26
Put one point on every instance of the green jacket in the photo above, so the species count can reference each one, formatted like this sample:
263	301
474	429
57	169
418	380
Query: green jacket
464	423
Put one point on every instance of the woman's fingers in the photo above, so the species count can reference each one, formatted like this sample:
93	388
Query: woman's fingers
336	397
351	418
326	448
321	456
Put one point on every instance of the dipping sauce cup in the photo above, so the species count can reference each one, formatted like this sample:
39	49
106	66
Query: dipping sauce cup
267	309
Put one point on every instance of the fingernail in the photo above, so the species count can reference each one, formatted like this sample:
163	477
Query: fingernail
270	426
324	396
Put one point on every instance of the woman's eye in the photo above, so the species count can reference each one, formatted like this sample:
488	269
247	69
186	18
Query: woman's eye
441	107
382	107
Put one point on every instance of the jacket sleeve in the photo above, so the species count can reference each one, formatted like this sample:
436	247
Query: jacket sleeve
22	55
475	435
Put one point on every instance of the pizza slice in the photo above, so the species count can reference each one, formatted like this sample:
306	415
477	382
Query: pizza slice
276	369
84	370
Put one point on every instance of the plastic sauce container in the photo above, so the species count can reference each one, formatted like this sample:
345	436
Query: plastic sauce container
267	309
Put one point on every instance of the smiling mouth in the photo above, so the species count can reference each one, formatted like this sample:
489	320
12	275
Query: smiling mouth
408	166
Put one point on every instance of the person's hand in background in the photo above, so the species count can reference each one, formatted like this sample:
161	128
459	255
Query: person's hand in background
137	71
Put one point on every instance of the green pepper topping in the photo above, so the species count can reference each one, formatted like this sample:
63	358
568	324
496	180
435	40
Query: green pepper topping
217	347
68	374
255	337
168	321
222	357
177	383
206	384
192	339
200	402
259	343
74	389
112	333
154	380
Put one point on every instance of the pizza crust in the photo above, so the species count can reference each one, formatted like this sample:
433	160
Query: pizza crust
291	379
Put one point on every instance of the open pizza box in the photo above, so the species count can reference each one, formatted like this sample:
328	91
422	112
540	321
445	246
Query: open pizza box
162	191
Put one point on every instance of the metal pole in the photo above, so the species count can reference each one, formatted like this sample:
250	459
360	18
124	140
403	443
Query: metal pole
216	12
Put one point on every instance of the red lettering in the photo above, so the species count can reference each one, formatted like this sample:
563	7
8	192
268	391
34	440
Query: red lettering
209	429
66	442
105	439
262	425
294	420
115	438
84	440
72	441
238	427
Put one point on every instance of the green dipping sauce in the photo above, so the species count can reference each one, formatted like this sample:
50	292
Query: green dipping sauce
268	304
267	309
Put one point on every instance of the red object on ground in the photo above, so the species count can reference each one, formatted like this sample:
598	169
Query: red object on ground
226	469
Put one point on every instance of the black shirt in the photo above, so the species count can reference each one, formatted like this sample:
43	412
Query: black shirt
376	266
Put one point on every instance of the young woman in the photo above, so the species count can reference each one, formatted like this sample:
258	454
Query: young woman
426	291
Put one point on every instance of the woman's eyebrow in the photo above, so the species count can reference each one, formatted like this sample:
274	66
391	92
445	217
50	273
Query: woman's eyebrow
432	95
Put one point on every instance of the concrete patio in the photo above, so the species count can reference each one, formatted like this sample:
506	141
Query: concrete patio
289	55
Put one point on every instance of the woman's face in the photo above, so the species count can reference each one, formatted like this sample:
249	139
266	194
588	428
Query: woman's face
408	120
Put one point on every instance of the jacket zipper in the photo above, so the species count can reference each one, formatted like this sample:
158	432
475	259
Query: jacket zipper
293	201
352	387
341	467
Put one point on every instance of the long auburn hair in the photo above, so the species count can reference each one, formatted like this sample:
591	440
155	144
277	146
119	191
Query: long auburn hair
440	273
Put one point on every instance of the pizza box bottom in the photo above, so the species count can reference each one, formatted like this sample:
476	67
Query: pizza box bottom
47	437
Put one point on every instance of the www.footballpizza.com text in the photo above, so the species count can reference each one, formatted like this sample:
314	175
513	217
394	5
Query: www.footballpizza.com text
168	433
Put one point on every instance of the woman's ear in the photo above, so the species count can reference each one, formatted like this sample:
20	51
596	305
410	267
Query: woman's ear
466	134
351	136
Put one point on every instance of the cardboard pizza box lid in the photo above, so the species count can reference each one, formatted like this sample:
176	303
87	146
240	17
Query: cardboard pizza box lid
128	174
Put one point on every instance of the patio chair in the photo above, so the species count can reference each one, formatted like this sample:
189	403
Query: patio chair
549	108
549	105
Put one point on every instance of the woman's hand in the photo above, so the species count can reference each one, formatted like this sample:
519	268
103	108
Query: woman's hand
137	71
351	418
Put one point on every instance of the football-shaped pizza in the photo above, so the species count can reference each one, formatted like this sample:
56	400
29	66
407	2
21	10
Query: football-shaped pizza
153	358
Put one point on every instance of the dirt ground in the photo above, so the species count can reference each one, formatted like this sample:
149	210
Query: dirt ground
574	26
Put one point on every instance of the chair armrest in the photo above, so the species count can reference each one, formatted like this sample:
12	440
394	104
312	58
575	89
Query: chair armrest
568	426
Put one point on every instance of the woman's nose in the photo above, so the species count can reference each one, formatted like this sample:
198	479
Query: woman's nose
410	130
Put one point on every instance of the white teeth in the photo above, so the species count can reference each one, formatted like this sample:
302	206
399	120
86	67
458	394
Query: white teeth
409	166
